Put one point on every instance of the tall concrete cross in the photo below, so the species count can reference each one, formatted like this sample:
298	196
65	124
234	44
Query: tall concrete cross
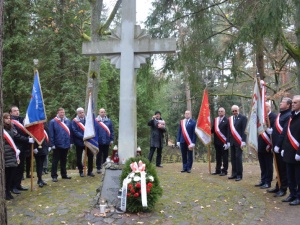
128	48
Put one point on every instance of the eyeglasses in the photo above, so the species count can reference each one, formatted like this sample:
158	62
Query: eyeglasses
234	110
295	102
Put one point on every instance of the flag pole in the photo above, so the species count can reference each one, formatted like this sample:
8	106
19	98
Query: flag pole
84	160
31	168
208	156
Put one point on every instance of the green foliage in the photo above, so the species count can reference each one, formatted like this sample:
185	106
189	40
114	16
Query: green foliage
134	204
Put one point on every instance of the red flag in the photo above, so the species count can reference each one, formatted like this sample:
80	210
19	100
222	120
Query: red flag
203	129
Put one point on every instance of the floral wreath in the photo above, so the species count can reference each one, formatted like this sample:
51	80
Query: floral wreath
140	185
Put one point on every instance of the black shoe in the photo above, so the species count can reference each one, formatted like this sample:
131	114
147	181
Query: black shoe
215	173
265	186
289	199
160	166
67	177
16	191
238	178
259	184
81	174
54	179
232	177
280	193
188	171
40	184
295	202
8	197
223	174
274	190
91	174
183	171
21	188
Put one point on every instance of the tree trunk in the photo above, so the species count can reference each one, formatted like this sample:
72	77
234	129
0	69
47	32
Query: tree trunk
3	212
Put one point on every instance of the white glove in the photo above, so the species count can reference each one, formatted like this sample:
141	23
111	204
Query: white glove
31	140
71	145
243	144
269	131
225	146
49	149
178	143
267	148
282	152
18	152
35	151
192	145
53	147
297	157
276	149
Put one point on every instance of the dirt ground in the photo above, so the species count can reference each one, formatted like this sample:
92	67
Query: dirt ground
195	198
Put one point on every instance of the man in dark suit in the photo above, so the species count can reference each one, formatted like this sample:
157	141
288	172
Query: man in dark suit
265	155
237	141
291	153
220	131
278	135
186	139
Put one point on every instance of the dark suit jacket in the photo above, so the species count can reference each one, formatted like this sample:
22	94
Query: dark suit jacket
261	142
283	121
224	128
240	126
190	128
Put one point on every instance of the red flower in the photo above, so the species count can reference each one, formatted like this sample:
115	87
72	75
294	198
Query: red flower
148	190
132	191
150	185
136	195
128	195
129	186
138	185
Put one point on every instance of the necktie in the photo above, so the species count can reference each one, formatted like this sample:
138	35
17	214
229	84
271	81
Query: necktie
235	119
186	123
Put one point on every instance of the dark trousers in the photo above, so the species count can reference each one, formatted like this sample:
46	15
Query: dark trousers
39	161
282	172
19	171
59	155
28	164
293	176
102	155
266	166
90	156
236	160
158	155
187	157
221	157
10	173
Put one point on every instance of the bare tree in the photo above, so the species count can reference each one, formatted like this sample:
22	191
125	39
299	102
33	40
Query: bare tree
3	212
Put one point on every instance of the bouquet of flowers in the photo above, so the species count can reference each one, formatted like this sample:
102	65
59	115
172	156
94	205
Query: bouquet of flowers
140	174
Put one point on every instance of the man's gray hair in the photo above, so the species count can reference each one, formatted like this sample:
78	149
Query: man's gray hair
80	109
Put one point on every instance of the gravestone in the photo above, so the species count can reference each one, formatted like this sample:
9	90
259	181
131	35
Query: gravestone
111	186
128	48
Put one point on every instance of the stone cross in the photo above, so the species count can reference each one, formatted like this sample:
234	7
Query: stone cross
127	48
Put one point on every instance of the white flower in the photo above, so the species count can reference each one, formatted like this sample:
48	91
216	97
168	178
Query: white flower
131	175
151	178
136	178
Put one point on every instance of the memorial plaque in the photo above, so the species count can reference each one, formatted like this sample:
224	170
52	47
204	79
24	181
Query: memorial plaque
111	186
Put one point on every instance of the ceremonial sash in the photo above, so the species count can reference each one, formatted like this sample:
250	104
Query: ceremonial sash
64	126
185	133
10	141
19	125
277	125
293	141
234	133
218	132
81	126
103	125
46	136
266	138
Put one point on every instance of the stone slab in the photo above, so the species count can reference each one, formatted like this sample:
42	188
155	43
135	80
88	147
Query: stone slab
111	186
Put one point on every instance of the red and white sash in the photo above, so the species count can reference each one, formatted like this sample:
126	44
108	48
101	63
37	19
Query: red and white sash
19	125
293	141
46	136
277	124
10	141
218	132
103	125
234	133
63	125
185	133
81	126
266	138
